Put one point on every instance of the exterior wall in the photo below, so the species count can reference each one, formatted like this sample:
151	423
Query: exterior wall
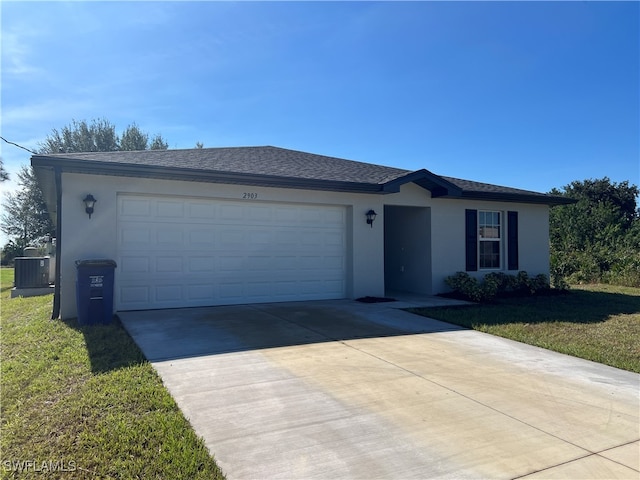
84	238
448	238
95	237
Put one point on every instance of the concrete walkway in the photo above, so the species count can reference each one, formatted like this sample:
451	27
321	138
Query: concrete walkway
341	389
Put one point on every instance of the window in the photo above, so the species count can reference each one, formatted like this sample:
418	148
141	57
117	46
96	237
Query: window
489	239
484	233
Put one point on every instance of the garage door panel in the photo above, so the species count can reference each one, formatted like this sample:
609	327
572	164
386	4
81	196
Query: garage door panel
196	252
200	292
334	217
201	264
311	239
132	237
259	238
231	238
168	293
231	212
201	238
286	262
200	211
335	264
335	239
170	209
169	265
261	263
285	215
231	291
230	264
134	265
135	207
170	238
134	295
258	214
259	290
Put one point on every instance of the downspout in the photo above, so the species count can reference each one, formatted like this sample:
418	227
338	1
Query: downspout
56	292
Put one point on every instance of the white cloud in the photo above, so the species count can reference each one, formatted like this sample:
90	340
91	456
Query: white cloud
16	54
48	112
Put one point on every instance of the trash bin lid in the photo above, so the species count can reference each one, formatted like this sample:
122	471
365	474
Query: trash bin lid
103	262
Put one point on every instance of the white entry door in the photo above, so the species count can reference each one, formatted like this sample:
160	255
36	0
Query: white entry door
183	252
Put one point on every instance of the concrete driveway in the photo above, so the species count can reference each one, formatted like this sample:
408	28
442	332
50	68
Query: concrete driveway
341	389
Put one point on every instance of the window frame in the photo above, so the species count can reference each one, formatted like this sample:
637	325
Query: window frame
499	239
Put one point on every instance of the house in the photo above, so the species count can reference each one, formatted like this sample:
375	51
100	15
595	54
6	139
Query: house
220	226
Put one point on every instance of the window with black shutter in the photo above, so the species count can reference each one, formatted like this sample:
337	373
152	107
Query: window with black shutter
471	233
484	244
512	240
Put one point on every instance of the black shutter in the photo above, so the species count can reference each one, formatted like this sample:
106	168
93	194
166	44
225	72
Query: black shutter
471	240
512	240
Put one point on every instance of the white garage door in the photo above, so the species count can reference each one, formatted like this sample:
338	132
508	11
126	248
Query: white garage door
183	252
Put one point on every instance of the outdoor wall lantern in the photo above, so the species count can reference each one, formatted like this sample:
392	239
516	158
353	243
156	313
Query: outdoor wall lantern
89	203
371	216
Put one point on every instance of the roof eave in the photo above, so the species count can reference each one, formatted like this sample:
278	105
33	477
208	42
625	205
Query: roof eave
539	199
195	175
437	185
45	176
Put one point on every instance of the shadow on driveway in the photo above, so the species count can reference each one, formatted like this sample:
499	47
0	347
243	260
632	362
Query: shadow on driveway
191	332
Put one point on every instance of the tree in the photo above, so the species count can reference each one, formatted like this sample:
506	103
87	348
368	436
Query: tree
133	139
4	175
158	143
10	251
199	145
597	238
26	217
98	136
619	197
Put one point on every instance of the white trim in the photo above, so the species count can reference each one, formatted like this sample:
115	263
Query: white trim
498	240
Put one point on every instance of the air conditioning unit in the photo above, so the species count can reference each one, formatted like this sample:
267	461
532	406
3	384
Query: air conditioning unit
31	272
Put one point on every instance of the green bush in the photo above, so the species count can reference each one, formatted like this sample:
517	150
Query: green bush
466	285
616	266
596	239
496	284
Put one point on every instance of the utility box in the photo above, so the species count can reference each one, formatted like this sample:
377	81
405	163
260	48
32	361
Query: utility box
31	272
94	291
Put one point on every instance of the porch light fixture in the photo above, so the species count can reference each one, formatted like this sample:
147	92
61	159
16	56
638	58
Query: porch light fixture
89	203
371	216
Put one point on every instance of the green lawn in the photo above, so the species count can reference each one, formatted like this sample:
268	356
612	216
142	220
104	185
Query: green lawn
596	322
86	400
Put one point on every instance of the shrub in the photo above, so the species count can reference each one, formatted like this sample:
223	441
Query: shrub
496	284
471	288
502	281
539	283
466	285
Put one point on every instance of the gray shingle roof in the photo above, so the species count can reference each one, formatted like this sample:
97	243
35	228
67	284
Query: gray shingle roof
273	166
271	161
479	187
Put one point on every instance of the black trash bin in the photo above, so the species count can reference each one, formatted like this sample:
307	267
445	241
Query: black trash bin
94	291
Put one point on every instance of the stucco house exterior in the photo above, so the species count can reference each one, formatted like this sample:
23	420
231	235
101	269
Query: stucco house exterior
220	226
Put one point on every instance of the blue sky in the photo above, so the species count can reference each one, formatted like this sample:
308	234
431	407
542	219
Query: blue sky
531	95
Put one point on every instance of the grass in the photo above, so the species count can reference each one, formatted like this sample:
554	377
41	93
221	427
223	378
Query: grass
597	322
84	400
